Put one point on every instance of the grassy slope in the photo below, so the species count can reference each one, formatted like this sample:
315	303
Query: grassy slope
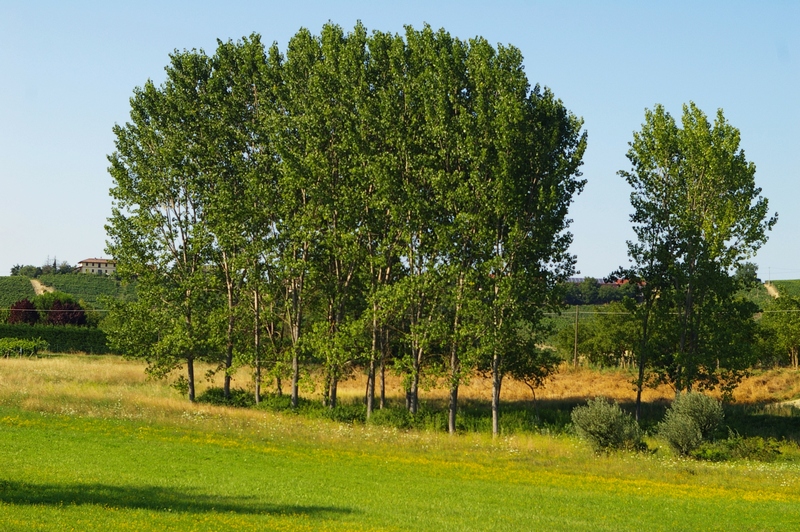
14	288
790	288
87	442
89	287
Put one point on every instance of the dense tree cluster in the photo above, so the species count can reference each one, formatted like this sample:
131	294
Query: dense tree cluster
362	198
48	268
50	308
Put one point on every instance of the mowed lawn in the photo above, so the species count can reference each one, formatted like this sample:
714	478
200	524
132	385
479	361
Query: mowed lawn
109	456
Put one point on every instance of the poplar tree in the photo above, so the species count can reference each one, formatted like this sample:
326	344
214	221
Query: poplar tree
698	215
158	231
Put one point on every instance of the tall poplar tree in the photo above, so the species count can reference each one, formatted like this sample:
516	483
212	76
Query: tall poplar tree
697	216
158	231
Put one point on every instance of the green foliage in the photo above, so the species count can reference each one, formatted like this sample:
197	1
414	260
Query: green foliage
688	242
704	410
237	397
13	289
18	347
681	432
736	447
61	339
606	426
691	420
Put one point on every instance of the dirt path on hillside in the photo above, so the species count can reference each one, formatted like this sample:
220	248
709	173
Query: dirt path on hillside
771	290
39	288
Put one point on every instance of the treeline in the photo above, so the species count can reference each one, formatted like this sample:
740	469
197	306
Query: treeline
361	198
591	291
54	268
608	335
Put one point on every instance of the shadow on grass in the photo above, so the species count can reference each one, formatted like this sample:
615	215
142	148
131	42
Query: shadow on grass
150	498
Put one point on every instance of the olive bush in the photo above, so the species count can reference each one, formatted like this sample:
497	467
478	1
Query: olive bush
691	420
606	426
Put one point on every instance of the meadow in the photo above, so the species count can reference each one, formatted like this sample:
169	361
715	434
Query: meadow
89	443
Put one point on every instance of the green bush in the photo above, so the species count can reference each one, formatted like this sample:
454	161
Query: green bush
62	339
238	397
690	421
704	410
737	447
605	426
18	347
681	432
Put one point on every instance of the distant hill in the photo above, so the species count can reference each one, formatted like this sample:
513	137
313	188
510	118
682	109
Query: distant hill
789	288
90	288
14	288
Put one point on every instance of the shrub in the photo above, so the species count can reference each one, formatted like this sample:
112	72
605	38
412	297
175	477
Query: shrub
19	347
681	432
605	426
704	410
61	339
690	420
737	447
23	311
238	397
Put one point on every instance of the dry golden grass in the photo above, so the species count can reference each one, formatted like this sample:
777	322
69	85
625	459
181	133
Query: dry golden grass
580	383
97	385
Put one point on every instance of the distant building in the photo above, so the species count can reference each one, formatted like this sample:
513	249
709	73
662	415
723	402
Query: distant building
97	266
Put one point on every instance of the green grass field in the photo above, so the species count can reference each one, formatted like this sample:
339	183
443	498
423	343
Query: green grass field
87	443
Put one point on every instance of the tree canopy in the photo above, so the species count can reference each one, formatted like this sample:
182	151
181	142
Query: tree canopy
358	197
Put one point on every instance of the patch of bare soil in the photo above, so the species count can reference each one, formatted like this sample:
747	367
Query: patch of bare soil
40	288
771	290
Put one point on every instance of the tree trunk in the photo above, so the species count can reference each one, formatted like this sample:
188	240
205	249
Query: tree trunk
334	384
455	363
382	403
414	390
497	381
190	371
257	344
371	387
642	359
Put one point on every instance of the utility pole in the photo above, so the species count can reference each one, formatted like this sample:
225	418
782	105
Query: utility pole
575	354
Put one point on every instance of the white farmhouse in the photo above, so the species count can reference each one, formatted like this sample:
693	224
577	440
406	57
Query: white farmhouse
101	266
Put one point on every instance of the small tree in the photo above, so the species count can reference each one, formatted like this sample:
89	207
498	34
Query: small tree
606	426
23	311
691	419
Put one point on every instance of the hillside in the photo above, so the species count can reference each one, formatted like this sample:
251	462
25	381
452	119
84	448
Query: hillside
789	288
90	288
14	288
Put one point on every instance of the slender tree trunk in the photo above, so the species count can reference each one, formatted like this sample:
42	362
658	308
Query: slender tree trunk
372	356
190	371
455	362
414	390
497	381
334	384
382	403
642	359
371	387
257	343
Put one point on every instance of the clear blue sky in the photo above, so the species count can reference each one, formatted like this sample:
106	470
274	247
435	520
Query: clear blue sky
67	70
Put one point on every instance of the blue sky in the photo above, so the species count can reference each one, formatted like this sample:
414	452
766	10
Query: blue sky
67	70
